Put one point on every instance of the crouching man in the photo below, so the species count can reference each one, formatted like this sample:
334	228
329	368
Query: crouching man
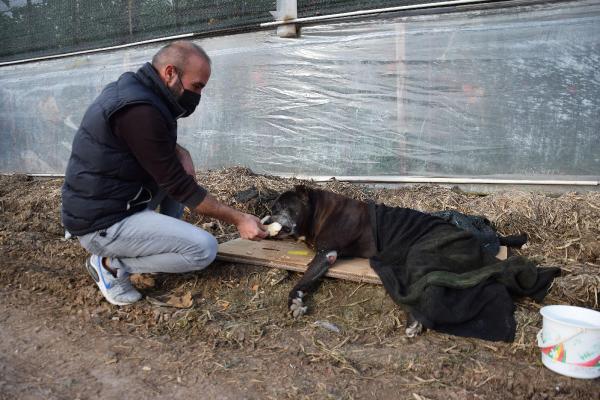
125	163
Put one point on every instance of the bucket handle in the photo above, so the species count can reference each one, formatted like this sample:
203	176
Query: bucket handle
541	343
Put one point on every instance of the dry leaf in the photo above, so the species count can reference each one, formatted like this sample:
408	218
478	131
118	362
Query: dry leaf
184	301
142	281
173	300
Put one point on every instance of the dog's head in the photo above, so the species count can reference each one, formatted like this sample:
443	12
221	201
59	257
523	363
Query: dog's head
291	210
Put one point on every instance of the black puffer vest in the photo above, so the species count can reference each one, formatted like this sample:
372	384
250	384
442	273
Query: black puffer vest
104	183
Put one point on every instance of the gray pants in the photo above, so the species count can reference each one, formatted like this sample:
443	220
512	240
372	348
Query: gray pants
149	241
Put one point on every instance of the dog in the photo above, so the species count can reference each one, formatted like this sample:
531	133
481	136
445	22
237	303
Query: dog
334	226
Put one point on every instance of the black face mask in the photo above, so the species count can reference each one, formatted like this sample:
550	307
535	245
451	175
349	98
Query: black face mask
188	100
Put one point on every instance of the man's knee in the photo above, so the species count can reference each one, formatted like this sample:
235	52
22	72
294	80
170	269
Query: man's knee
205	252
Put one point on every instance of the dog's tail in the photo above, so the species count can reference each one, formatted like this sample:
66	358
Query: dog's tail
513	240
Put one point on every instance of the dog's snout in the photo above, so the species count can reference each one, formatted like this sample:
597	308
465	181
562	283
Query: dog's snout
286	229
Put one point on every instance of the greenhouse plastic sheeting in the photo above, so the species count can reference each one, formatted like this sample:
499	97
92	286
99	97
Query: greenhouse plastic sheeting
510	92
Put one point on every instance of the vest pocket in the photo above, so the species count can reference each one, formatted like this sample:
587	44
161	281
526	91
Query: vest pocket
143	196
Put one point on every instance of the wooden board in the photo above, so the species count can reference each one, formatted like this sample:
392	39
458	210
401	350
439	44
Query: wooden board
503	253
293	256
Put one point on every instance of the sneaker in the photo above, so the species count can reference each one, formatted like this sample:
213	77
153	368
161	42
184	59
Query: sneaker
118	291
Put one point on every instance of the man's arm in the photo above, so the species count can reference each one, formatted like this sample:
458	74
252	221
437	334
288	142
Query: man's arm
186	160
145	132
249	226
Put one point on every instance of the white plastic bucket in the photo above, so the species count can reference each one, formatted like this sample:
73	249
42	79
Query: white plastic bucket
570	341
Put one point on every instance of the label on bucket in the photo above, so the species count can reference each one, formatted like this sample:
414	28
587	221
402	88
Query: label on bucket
556	353
559	354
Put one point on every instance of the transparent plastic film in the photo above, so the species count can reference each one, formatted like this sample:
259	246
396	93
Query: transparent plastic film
505	92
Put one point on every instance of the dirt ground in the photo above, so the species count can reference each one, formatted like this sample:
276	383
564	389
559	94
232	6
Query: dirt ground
229	335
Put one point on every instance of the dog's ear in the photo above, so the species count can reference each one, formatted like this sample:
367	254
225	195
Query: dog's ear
300	188
303	191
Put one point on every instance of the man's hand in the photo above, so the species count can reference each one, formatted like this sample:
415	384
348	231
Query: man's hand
249	227
186	160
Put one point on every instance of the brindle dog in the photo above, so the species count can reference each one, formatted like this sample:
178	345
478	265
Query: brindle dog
334	226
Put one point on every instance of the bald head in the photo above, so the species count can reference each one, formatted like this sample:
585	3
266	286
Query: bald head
182	65
178	54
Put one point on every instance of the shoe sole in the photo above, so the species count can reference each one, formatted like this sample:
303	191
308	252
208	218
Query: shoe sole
94	274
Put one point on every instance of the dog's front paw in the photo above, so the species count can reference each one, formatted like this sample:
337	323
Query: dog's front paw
297	307
414	329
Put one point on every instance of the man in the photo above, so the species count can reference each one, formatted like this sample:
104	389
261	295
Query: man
125	162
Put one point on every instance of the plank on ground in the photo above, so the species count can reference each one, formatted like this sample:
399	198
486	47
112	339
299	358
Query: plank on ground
293	256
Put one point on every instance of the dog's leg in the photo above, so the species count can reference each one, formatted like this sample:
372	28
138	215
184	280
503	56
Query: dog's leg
310	281
413	327
517	241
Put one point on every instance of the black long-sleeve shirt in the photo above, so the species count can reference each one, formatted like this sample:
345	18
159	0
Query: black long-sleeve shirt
145	132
